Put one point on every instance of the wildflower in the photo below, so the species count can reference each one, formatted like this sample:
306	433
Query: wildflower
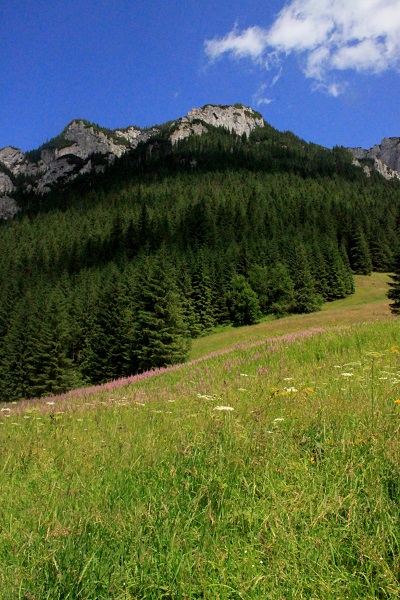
50	403
291	390
287	378
397	401
242	390
243	375
278	419
227	408
347	374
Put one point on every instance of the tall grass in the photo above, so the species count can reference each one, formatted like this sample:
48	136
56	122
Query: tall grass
157	489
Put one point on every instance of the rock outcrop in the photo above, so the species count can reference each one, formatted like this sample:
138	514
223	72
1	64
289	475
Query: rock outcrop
6	185
8	207
384	157
68	155
239	119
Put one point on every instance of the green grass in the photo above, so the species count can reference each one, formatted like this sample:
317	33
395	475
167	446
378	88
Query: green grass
148	491
368	303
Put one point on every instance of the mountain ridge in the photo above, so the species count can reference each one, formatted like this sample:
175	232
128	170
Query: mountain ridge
70	154
83	147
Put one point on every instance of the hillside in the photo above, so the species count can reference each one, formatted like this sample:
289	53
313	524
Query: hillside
116	271
270	470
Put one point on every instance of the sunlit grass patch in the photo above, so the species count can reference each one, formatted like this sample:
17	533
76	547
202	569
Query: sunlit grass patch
158	489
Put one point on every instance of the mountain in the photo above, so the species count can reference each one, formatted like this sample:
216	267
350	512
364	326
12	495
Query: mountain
84	147
131	242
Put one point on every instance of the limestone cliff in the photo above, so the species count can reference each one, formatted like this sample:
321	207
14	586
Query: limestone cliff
239	119
384	157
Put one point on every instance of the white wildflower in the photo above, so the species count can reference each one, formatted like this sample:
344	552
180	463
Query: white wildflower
227	408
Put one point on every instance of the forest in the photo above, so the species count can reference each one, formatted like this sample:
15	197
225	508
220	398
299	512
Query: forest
115	273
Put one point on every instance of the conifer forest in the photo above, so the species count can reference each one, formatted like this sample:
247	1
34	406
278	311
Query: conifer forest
115	273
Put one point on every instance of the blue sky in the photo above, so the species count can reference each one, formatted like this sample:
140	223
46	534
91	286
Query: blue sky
328	70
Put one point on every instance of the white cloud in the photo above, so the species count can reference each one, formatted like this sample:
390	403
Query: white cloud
250	43
259	98
277	77
329	35
264	100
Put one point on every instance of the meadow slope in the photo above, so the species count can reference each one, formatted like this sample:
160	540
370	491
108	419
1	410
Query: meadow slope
267	469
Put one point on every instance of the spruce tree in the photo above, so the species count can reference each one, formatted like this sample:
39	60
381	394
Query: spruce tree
159	335
243	303
306	300
394	292
360	257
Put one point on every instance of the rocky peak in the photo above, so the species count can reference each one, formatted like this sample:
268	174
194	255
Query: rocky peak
385	157
87	138
238	118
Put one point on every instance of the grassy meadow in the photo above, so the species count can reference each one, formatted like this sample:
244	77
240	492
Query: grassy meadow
268	469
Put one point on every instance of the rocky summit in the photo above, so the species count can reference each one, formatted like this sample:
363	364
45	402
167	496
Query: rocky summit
83	147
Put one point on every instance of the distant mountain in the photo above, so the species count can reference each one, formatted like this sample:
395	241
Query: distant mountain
83	147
